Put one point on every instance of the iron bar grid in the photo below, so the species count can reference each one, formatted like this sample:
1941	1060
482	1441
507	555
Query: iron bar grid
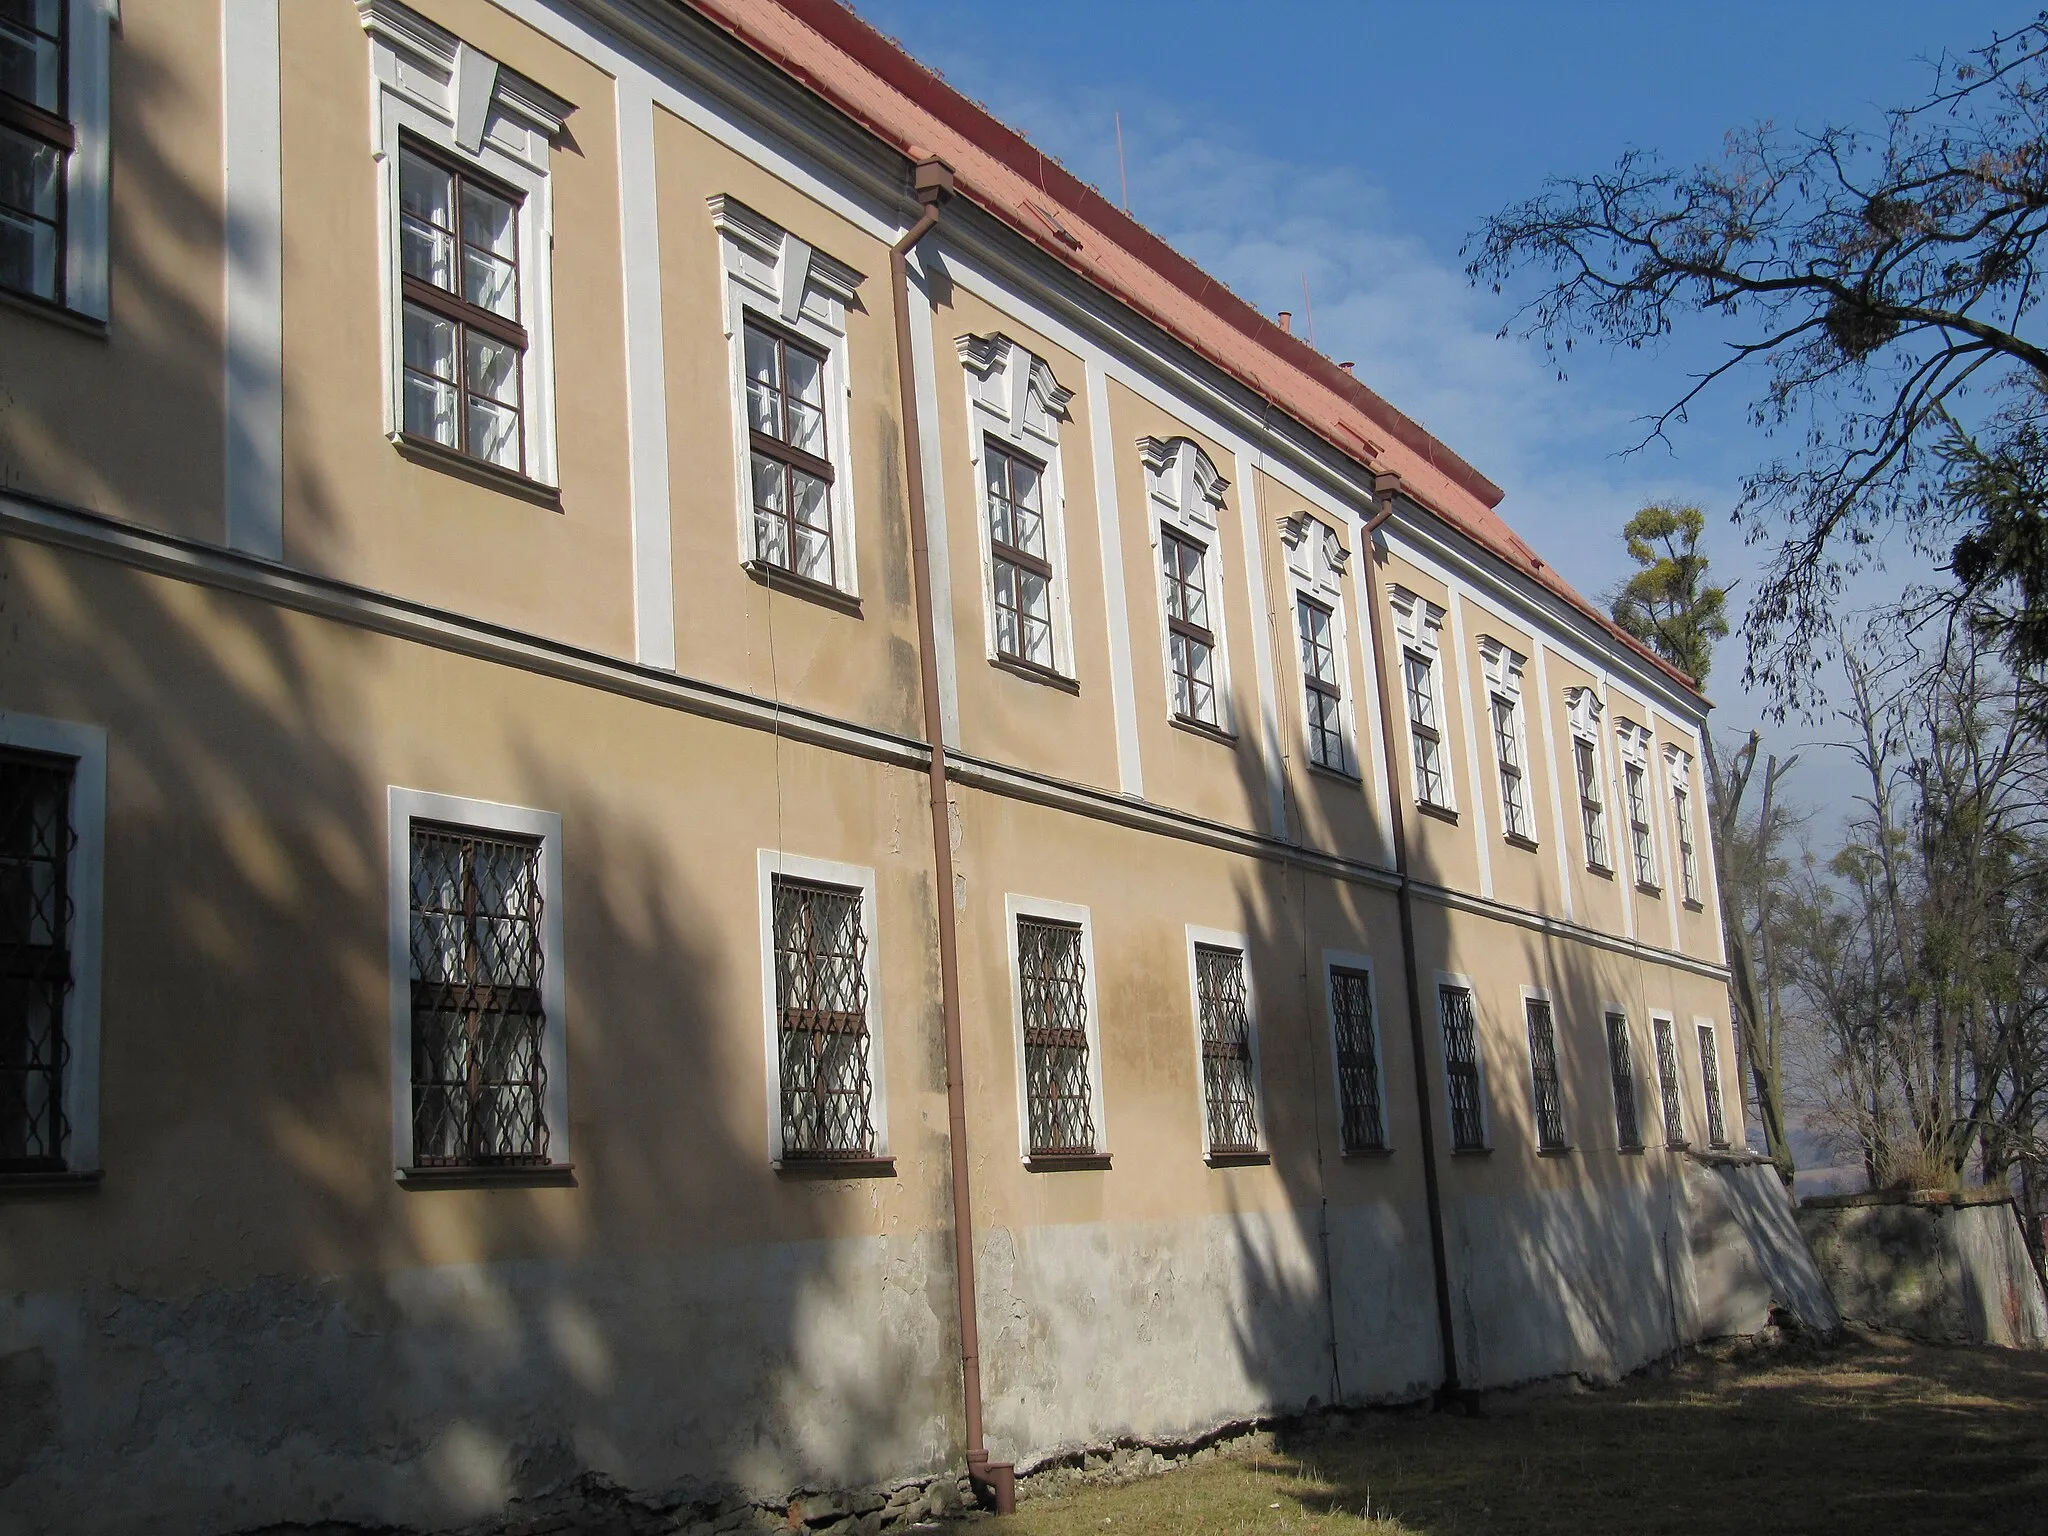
1667	1083
1358	1067
1052	978
1227	1083
36	841
1549	1092
479	1080
1461	1068
1710	1086
1621	1066
821	998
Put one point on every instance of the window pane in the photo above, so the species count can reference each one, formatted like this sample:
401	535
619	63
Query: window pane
806	423
430	407
31	55
995	470
493	369
1027	525
494	432
1035	601
426	221
771	525
31	177
490	275
809	500
764	399
806	381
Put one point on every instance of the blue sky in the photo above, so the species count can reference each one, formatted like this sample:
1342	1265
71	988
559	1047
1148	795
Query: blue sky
1360	143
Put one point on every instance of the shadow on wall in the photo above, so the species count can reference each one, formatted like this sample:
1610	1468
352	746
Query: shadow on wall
249	1321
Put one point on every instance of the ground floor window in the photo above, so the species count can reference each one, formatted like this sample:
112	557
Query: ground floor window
1358	1062
1461	1067
821	1000
1228	1080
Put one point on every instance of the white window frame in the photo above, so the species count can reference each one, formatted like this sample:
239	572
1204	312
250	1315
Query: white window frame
458	100
1704	1027
85	877
794	287
89	26
1419	623
1544	995
1609	1010
771	862
1584	708
1013	397
1218	938
1335	960
1504	668
1462	981
405	806
1634	743
1679	784
1014	907
1683	1137
1315	560
1184	494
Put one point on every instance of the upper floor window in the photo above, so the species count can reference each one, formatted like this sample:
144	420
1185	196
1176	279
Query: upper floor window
1190	643
1621	1067
1358	1059
1315	561
1053	995
1184	494
1461	1067
1679	765
1504	703
785	322
53	151
1635	788
1323	695
1420	625
1229	1062
464	146
1668	1091
1585	716
1543	1075
1710	1086
1016	408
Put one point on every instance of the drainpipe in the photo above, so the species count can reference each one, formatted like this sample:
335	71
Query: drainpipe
995	1481
1388	486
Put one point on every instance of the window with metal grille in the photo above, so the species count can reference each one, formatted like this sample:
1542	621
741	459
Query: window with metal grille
1667	1082
1507	748
1358	1061
36	142
1549	1092
1710	1086
1591	812
1621	1066
464	343
1227	1074
479	1080
1688	858
1052	980
1632	778
1323	698
1020	570
821	1000
790	467
36	839
1461	1067
1190	639
1424	732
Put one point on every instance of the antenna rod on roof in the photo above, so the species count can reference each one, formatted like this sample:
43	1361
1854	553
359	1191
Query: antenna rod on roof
1308	310
1122	177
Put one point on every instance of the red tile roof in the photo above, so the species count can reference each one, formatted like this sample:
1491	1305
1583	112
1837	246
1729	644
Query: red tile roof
827	48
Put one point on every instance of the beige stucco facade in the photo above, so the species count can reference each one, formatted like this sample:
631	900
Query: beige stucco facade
244	1308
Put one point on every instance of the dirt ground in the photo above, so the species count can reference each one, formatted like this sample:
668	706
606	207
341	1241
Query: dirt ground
1875	1436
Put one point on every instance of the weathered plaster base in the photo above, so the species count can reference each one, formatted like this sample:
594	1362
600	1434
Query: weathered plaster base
1951	1273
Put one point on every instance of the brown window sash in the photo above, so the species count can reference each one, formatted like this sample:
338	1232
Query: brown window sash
454	307
38	122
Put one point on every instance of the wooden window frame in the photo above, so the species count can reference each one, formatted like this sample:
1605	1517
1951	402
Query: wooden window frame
1188	630
1421	731
1326	743
1688	851
56	131
1592	810
1001	554
790	458
1635	789
1514	780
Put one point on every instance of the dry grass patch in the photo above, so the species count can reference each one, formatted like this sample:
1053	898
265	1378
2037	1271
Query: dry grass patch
1878	1437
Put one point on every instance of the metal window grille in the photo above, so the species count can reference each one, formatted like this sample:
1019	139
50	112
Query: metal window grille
464	348
36	141
1639	824
1461	1067
1052	978
821	999
1543	1075
36	840
1324	695
1688	857
1621	1066
1590	809
479	1081
1424	732
1226	1050
1020	568
1710	1086
1667	1083
1358	1067
1507	747
791	464
1190	640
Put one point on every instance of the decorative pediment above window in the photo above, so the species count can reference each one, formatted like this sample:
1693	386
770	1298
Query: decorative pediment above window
1503	667
1418	621
1182	481
1314	553
1584	705
996	366
1635	740
462	86
1678	762
799	281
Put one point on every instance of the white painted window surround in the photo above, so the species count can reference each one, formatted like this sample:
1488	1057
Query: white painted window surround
1014	907
1315	559
87	99
771	862
407	806
86	746
1184	492
431	86
793	287
1014	400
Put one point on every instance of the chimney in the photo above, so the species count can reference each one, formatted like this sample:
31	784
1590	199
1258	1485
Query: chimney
1287	321
1345	366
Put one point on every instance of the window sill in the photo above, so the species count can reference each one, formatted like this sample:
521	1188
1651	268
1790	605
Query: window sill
1601	870
1555	1151
1471	1151
1214	733
1440	812
1655	892
776	579
53	1180
838	1168
1693	906
1634	1150
1367	1154
1516	840
1063	1162
1343	776
1678	1146
433	455
55	313
1035	674
1244	1159
488	1177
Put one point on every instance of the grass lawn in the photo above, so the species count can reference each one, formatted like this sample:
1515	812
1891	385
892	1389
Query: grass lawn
1876	1437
